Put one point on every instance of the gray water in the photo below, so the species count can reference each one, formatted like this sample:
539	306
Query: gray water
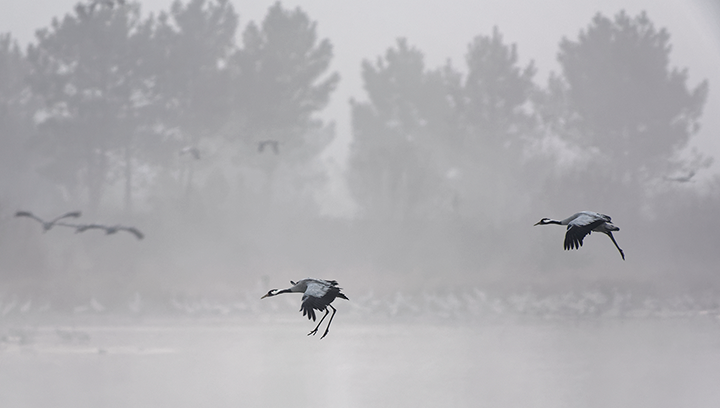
269	361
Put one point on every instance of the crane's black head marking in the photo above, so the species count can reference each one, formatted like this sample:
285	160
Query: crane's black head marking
271	292
544	221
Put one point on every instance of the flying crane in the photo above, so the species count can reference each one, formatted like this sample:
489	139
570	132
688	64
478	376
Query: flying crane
317	295
583	223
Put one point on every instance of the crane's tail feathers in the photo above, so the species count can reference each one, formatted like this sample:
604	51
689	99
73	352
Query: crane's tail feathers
342	296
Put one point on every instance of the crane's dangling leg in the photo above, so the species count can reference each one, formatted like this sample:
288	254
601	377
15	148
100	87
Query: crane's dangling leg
329	323
616	245
318	325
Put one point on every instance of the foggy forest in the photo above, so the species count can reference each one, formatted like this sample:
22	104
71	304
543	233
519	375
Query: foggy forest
207	135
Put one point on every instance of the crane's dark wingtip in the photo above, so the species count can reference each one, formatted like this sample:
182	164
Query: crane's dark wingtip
136	232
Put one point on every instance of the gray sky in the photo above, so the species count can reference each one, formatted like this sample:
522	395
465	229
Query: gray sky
442	30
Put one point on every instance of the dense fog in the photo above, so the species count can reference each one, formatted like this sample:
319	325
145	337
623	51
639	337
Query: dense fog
206	135
205	138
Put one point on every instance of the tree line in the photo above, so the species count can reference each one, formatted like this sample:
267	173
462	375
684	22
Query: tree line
444	160
102	95
617	108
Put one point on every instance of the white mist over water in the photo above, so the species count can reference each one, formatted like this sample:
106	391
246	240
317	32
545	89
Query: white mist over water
268	361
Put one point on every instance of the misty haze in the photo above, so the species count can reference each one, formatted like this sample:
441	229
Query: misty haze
162	169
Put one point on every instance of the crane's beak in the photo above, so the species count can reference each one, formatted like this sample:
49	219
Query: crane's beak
265	295
538	223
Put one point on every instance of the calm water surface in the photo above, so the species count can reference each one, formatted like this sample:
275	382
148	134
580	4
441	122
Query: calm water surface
270	362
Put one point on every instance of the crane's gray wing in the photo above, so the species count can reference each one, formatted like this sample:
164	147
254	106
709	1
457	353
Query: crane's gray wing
576	231
66	224
30	215
85	227
72	214
317	296
132	230
605	217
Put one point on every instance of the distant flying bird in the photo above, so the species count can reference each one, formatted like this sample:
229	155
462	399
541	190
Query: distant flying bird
191	150
682	179
582	224
272	143
317	294
109	230
47	225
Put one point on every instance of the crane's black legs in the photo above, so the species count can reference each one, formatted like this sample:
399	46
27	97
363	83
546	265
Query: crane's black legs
329	323
320	322
314	331
616	245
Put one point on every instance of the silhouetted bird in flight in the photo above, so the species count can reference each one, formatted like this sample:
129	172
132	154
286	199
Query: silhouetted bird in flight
109	230
317	295
272	143
191	150
47	225
582	224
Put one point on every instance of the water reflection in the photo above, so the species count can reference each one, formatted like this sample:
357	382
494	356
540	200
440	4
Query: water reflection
270	362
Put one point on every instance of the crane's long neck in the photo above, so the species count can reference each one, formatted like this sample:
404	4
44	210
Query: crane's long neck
558	222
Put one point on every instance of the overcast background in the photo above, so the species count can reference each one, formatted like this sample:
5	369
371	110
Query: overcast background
417	144
349	202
